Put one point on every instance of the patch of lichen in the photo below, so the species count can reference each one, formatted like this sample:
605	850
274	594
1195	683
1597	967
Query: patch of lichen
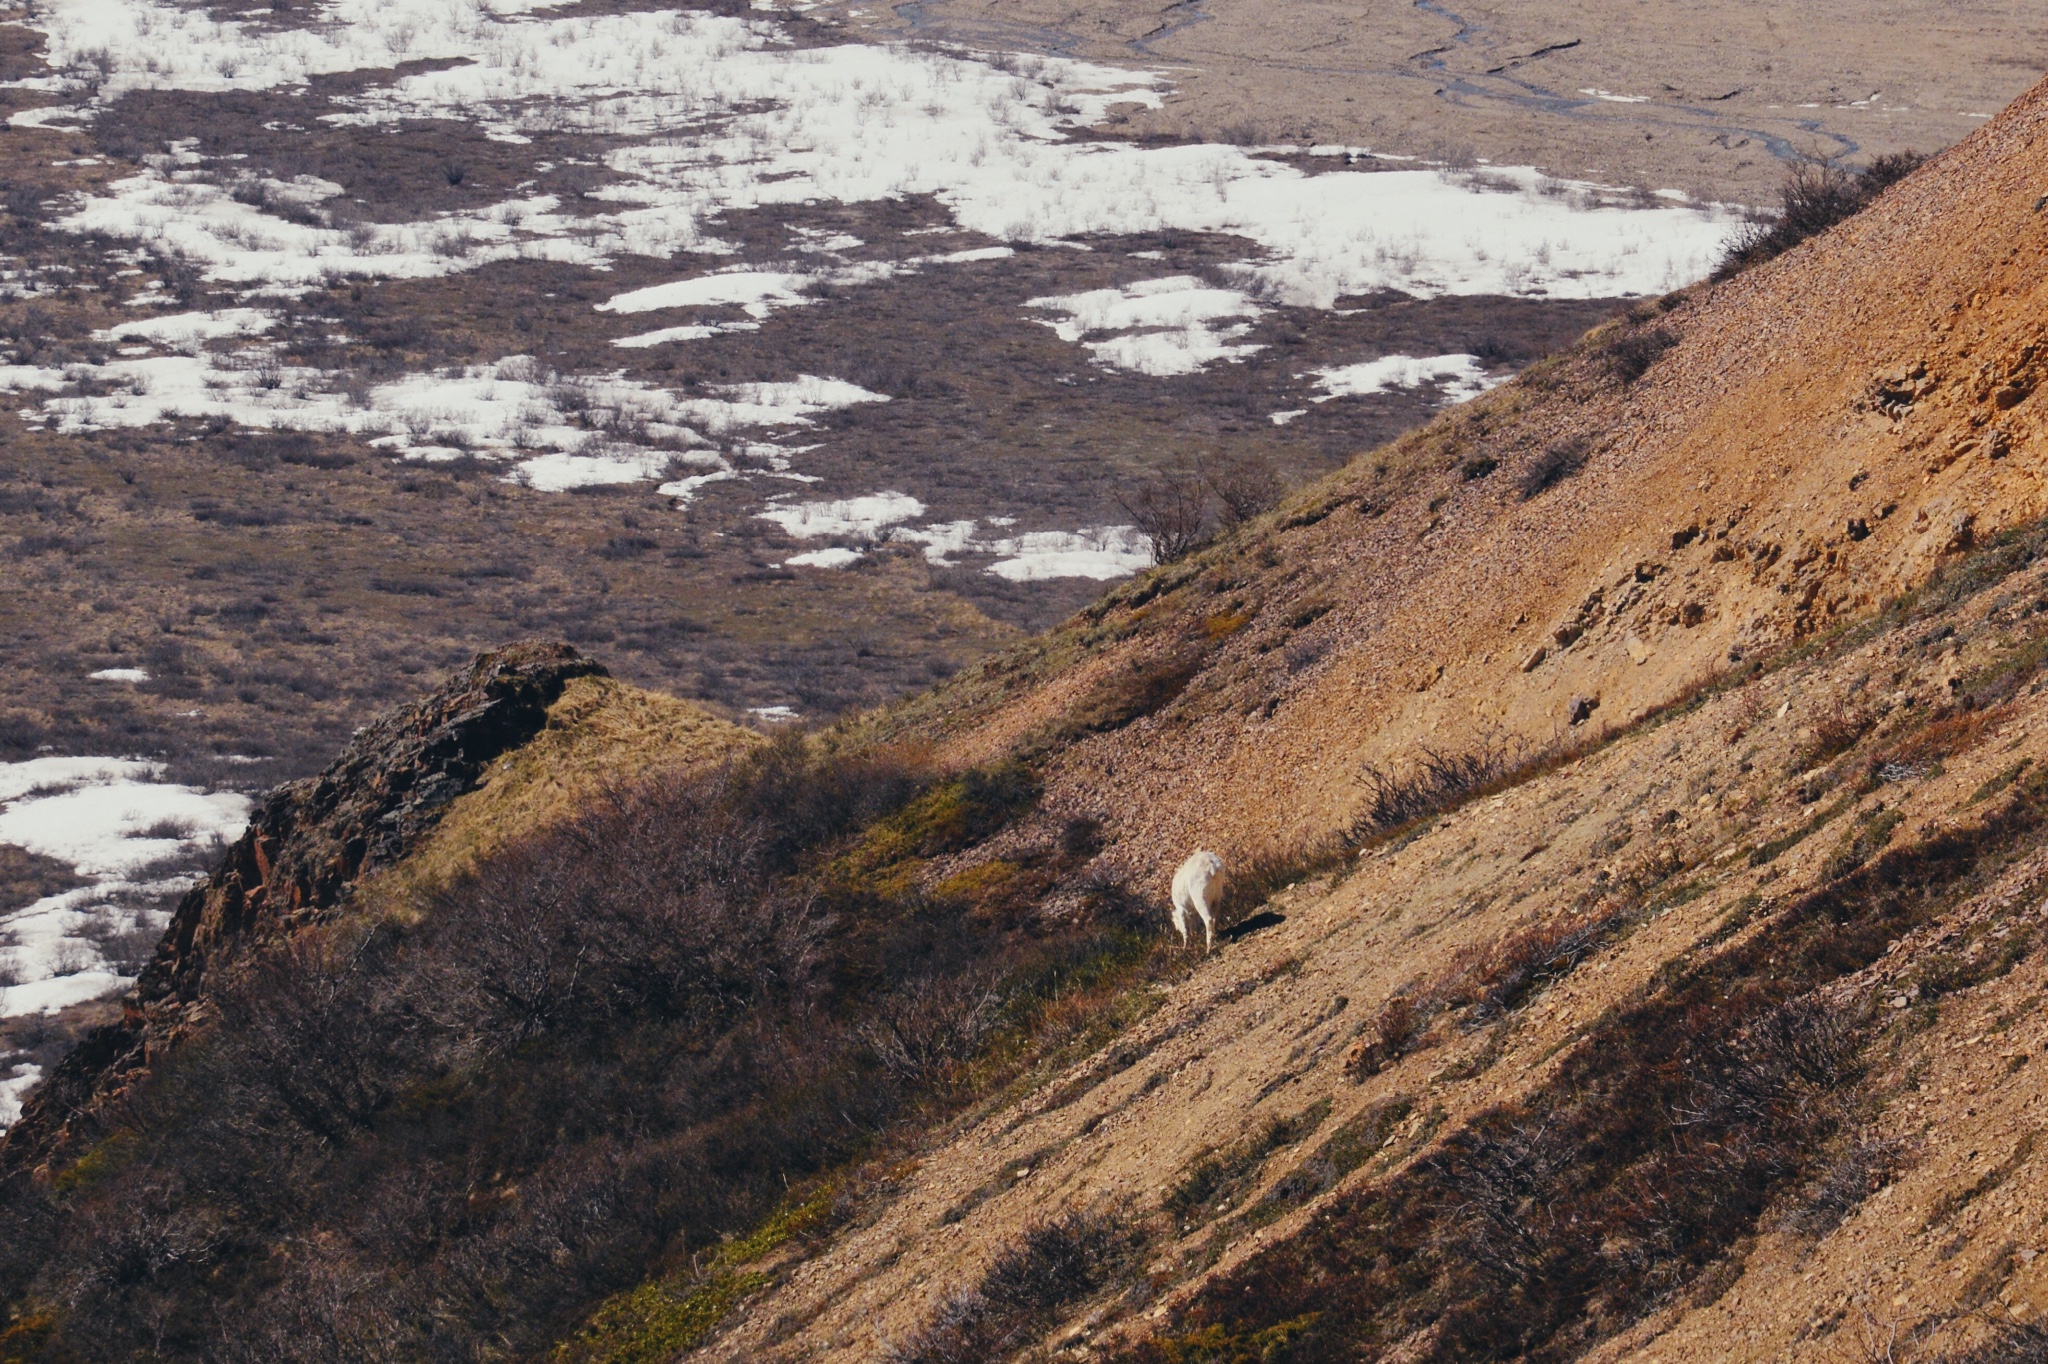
985	881
27	1339
102	1162
1219	1345
953	815
666	1316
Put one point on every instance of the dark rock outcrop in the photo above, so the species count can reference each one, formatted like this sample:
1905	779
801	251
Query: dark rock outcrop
306	846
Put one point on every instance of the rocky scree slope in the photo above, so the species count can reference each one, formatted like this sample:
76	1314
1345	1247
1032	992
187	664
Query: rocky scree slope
1710	1029
1733	467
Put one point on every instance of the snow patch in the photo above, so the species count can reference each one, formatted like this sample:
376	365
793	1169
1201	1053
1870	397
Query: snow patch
1102	553
734	117
189	330
116	826
20	1079
1462	377
835	557
111	820
853	516
558	431
1176	325
758	292
693	331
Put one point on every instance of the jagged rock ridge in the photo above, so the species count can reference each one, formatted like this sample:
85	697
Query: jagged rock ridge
307	845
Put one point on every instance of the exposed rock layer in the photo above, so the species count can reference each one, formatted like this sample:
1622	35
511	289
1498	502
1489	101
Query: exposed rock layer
307	844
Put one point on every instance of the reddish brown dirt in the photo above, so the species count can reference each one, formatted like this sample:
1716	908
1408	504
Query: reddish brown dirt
1827	433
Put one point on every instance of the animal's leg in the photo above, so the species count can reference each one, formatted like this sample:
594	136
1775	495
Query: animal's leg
1180	920
1208	923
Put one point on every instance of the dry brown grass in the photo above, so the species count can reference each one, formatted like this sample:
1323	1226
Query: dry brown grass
599	734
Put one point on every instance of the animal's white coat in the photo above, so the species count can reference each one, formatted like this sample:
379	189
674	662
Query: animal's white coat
1196	885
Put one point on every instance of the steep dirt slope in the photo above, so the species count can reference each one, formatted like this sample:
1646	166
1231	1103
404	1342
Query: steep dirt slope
1759	888
1821	433
1674	851
1752	942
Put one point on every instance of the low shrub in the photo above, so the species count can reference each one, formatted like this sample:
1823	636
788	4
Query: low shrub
1258	877
1130	693
1628	355
1245	487
1438	780
1217	1176
1850	1172
1171	510
591	1056
1503	976
1837	728
1361	1138
1020	1297
1816	195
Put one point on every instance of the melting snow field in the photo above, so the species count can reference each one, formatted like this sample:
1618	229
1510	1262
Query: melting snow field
17	1082
119	826
1175	325
1462	377
714	115
1101	552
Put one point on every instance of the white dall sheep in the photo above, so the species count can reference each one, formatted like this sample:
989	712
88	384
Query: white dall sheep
1197	886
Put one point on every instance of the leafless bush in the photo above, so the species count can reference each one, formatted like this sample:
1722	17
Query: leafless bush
1170	510
71	959
1143	688
1816	195
1216	1176
1435	782
1386	1038
1838	726
1858	1168
1558	462
1020	1297
181	277
319	1048
1245	486
1503	976
2010	1343
1256	877
124	939
931	1027
1629	355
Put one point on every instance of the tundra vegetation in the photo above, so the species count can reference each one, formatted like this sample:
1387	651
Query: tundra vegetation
461	1123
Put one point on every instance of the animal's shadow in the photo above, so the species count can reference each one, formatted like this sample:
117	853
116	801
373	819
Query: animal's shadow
1263	920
